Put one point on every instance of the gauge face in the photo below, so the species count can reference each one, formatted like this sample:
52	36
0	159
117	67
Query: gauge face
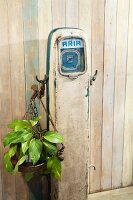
72	55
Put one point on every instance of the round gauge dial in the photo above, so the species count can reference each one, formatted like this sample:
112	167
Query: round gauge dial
72	55
70	60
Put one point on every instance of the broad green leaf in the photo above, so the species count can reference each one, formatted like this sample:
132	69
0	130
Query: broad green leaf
12	150
35	149
20	162
9	138
25	146
17	137
50	148
53	137
16	125
35	121
54	166
8	163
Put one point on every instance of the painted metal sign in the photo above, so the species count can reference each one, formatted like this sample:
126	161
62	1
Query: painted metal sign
72	55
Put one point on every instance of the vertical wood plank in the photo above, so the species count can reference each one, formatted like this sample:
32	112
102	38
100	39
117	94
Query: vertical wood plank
128	132
58	13
108	92
8	181
17	76
119	97
5	80
16	58
72	15
30	20
43	31
96	94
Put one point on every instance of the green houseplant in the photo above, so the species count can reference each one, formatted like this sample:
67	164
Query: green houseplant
30	147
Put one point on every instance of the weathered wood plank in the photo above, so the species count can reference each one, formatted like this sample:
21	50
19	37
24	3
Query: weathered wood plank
30	20
128	132
8	182
17	76
108	92
43	31
58	13
119	97
123	194
72	15
16	58
5	79
96	94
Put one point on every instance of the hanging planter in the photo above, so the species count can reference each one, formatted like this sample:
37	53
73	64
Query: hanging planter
31	148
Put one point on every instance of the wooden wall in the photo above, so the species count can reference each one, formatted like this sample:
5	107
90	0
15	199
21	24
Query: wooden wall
24	28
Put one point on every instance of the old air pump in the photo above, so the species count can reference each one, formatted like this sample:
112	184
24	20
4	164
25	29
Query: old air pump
68	71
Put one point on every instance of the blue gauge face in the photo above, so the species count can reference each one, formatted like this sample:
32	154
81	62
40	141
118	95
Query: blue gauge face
72	55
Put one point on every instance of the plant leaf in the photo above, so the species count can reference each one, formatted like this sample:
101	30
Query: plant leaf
7	163
17	137
12	150
20	162
35	120
53	137
54	167
18	124
25	146
50	148
35	149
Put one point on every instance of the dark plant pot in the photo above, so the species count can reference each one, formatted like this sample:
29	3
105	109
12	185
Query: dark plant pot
28	167
36	184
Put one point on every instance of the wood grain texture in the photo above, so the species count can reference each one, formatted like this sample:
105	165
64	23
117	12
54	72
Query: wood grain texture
72	17
43	31
17	76
96	93
119	96
123	194
108	92
7	181
30	20
5	76
128	132
58	13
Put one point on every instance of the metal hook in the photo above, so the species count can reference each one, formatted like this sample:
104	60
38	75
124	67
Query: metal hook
92	166
42	81
93	77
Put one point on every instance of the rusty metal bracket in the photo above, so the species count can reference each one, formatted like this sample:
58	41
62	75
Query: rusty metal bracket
93	77
41	90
